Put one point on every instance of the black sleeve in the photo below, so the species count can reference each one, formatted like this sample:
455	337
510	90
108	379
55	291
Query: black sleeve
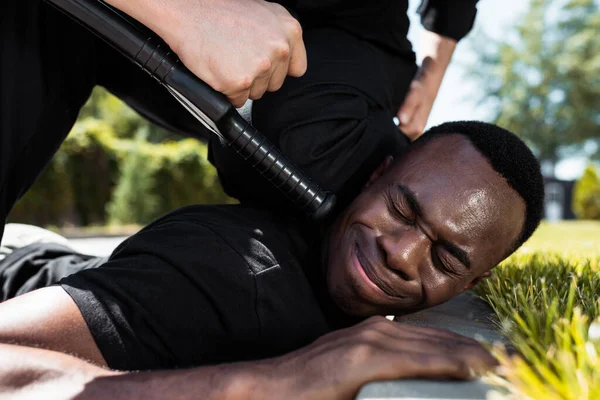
450	18
174	295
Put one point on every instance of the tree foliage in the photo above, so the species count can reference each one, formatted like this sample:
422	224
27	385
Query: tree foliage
586	195
545	85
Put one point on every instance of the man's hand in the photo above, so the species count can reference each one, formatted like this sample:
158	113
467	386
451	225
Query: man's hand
338	364
239	48
413	114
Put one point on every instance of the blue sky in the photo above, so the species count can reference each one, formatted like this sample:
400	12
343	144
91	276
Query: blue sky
456	99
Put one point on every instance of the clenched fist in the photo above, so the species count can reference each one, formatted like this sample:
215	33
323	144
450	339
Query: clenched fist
239	48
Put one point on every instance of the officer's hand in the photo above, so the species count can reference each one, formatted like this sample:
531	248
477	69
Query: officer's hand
240	48
415	110
338	364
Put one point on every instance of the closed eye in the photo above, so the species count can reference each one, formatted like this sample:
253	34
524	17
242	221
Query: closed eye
441	262
395	207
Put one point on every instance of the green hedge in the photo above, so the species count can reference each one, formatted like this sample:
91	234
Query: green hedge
586	195
97	177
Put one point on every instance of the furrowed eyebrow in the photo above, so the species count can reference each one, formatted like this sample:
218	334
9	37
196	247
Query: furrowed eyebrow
411	199
460	254
457	252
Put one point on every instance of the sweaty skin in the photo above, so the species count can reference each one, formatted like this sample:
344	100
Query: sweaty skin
421	232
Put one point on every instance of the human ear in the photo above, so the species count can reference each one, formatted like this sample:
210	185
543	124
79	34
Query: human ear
476	280
379	171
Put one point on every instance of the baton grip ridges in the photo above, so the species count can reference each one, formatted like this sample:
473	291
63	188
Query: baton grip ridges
275	167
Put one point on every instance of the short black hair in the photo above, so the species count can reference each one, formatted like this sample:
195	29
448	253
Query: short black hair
511	158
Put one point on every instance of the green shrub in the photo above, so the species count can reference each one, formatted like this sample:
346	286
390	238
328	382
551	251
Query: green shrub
93	166
158	178
133	199
586	195
50	199
140	180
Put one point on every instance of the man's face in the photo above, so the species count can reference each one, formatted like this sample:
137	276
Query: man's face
424	229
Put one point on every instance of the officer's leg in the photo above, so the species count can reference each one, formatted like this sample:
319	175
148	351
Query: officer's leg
47	70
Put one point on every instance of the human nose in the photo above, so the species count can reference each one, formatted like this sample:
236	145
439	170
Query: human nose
403	252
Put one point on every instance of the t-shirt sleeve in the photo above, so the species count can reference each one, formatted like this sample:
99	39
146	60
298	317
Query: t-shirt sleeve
450	18
174	295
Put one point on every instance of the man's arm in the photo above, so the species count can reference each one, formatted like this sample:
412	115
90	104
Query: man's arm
240	48
39	331
33	373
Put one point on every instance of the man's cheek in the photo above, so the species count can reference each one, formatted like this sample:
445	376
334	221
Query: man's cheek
437	287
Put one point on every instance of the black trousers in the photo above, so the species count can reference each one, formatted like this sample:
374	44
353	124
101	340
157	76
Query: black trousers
40	265
334	122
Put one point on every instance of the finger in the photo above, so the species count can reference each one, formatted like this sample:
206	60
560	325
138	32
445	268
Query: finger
444	341
398	328
260	85
434	332
404	365
298	63
239	99
278	76
411	129
439	366
408	343
393	335
409	107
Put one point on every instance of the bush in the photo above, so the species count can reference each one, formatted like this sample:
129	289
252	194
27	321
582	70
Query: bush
96	177
133	199
158	178
50	199
93	166
586	195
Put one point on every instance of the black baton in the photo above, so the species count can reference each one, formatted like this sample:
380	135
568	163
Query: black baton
153	55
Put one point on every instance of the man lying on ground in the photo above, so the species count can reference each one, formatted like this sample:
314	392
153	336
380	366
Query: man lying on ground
236	302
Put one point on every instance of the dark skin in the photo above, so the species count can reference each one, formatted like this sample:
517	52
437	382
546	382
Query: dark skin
477	213
421	233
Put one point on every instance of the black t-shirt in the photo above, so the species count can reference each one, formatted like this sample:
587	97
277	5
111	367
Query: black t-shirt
205	285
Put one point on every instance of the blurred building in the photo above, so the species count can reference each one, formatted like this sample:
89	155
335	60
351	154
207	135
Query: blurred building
559	199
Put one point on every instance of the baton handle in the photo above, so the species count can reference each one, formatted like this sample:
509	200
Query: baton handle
153	55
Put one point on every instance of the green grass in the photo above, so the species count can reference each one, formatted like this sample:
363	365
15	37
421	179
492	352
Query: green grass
546	296
580	238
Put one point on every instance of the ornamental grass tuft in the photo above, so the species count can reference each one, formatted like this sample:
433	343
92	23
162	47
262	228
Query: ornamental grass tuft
548	306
